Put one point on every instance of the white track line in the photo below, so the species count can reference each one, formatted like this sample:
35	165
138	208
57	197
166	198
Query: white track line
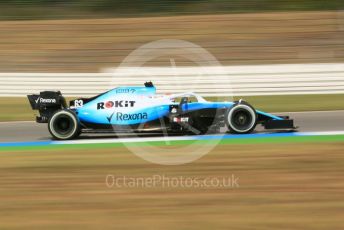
320	133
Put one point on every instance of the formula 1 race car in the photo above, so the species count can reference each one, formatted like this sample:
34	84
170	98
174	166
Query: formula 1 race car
140	109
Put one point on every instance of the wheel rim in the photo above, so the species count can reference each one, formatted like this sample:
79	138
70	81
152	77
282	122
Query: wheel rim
63	125
241	118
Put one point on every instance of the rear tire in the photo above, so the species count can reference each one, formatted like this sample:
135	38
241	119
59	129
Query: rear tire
241	118
64	125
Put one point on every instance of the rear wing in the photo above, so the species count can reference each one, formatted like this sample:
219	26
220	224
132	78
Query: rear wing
47	103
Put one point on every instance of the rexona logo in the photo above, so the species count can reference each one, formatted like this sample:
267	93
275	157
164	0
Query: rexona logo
116	104
128	116
45	100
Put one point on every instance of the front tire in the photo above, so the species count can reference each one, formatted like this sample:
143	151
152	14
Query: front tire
241	118
64	125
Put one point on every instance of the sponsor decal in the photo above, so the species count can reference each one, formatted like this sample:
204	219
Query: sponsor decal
116	104
110	117
128	116
45	100
180	119
125	90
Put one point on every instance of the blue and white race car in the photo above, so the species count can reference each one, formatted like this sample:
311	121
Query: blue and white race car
140	109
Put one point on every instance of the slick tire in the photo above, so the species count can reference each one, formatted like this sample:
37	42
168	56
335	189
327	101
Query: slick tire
64	125
241	118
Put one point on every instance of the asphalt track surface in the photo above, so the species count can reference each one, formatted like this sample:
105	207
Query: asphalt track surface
28	131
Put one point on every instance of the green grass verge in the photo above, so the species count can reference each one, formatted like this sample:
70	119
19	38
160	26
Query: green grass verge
18	109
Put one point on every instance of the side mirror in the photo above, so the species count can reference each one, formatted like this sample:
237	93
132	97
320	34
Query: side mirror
183	105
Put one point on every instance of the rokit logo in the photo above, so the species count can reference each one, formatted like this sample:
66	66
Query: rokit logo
45	100
116	104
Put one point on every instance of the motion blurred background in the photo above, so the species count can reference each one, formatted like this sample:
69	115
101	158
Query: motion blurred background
88	35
